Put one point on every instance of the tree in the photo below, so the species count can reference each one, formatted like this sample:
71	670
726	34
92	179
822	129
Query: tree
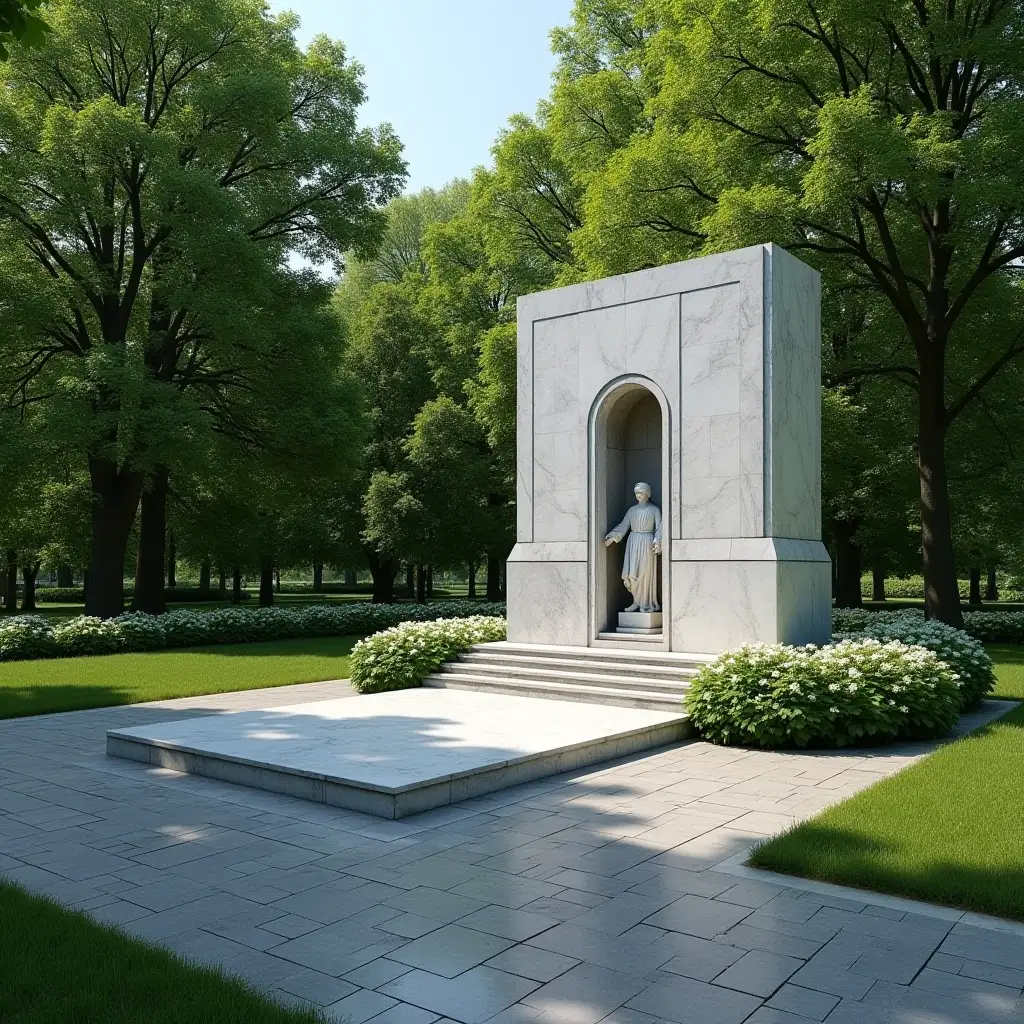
880	141
161	163
19	22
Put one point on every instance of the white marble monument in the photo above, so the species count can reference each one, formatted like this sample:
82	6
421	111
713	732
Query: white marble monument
701	380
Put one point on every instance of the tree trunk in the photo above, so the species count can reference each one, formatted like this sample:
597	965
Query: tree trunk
877	583
975	593
941	594
11	586
28	591
410	580
382	569
421	584
471	590
277	581
204	577
351	578
430	581
266	582
222	583
494	561
65	578
149	566
236	585
318	576
115	494
172	561
848	567
992	586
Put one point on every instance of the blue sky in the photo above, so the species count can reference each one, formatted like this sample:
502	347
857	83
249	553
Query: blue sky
445	73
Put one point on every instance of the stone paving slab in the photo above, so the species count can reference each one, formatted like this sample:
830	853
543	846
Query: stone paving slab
613	894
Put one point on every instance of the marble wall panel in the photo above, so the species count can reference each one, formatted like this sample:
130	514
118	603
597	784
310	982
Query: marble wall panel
602	335
547	603
804	601
712	507
556	405
559	462
725	444
560	514
694	449
795	353
718	605
652	341
709	379
524	431
710	315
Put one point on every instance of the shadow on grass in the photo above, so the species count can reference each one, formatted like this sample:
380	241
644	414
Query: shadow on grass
60	966
55	685
843	857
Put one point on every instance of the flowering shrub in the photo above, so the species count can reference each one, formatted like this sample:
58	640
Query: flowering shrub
406	654
854	691
993	627
959	650
32	636
996	627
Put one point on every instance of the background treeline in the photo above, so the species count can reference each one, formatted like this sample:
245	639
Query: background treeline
169	373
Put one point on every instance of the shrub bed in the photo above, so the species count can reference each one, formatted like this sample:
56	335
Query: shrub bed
76	595
961	651
404	655
32	636
854	691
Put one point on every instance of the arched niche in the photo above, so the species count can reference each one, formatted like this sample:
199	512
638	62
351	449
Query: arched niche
629	444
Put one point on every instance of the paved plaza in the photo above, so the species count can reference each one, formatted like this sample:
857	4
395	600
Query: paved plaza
609	894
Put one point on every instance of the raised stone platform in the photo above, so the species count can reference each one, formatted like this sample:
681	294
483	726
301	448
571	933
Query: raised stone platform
395	754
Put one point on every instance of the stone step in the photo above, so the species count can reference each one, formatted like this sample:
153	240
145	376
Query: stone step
499	661
575	674
620	696
631	655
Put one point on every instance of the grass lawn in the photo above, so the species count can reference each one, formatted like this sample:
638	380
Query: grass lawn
58	967
70	684
949	829
1009	664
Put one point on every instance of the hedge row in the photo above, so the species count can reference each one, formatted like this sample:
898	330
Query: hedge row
76	595
995	627
32	636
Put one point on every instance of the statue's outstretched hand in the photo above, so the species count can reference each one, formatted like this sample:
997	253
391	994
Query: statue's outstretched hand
610	540
656	548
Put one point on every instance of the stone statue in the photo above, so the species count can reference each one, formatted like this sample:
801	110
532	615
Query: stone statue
640	563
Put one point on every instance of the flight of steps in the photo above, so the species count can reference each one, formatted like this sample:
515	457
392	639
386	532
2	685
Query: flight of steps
596	675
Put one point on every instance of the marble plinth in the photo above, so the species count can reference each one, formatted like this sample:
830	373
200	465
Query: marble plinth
395	754
702	379
639	622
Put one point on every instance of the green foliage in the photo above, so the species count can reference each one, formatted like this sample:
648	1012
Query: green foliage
996	627
852	692
31	636
960	651
19	22
404	655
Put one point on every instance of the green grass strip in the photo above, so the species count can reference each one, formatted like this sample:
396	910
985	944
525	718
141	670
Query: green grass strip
58	967
1008	661
71	684
949	829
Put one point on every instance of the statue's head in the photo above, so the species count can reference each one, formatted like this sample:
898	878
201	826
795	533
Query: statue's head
642	493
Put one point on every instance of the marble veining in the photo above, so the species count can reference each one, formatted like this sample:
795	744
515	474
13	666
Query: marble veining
730	346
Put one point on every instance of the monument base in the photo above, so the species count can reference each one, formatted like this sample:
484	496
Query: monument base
639	622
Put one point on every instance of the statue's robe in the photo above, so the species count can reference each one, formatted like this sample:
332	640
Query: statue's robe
639	562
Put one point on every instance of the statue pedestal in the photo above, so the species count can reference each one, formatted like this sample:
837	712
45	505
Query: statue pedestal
639	622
